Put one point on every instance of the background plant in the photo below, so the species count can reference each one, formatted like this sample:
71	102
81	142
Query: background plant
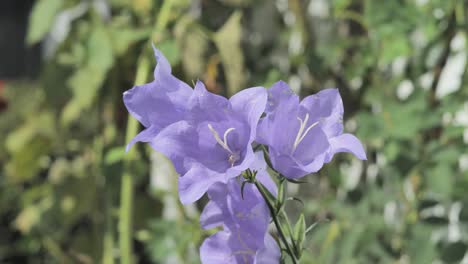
400	67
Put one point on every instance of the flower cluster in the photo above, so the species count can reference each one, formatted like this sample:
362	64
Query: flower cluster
210	139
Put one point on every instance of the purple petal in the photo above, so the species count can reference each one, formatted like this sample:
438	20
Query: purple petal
250	103
313	144
244	165
176	142
195	183
146	135
279	92
215	249
286	165
346	143
153	106
292	168
163	67
327	105
262	174
270	253
279	128
160	102
164	77
204	105
212	216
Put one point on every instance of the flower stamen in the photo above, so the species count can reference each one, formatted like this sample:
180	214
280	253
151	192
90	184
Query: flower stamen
233	156
301	134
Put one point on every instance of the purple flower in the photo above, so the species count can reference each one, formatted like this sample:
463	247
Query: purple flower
230	248
227	207
245	220
207	137
157	104
213	142
302	136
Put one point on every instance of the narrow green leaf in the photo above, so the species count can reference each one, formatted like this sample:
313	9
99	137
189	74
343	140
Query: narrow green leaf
299	234
269	195
281	195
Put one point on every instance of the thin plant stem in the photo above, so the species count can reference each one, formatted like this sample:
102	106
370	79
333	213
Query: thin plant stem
126	192
282	236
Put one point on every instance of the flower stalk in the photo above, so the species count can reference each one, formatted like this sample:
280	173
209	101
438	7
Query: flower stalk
126	192
264	192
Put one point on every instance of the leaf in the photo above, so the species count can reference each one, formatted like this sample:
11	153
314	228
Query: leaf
114	155
27	219
124	38
454	252
87	81
41	19
281	195
440	180
100	54
299	234
25	163
170	50
228	42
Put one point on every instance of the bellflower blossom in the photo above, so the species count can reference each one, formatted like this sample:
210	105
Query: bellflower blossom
206	136
302	136
214	143
245	220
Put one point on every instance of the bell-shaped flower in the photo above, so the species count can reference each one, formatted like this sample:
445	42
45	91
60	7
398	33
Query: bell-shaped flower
159	103
230	248
207	137
302	136
213	143
229	206
244	216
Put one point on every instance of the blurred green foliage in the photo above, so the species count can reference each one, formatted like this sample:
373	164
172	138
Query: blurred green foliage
400	65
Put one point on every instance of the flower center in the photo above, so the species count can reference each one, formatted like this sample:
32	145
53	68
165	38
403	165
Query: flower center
233	156
302	133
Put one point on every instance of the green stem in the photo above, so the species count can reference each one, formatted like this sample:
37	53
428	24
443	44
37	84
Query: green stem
282	236
108	256
126	193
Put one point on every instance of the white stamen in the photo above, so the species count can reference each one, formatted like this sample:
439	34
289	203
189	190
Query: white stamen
222	143
233	156
225	135
301	134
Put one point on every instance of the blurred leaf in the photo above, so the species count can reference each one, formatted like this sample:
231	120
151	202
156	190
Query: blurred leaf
41	19
440	180
228	42
87	80
25	163
27	218
114	155
168	242
170	50
42	124
124	38
454	252
194	46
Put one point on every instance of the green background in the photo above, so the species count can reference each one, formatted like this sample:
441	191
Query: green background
400	66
